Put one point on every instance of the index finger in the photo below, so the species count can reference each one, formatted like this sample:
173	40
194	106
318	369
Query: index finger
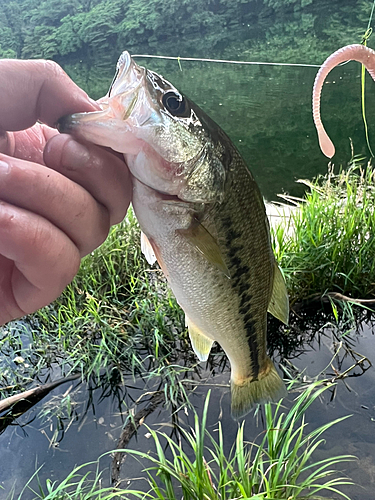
37	90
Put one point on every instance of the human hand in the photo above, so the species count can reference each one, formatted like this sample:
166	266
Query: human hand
58	198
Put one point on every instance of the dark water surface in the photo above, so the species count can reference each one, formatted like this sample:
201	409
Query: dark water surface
98	422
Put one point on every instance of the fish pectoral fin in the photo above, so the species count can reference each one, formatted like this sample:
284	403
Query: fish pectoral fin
199	341
279	303
198	236
147	249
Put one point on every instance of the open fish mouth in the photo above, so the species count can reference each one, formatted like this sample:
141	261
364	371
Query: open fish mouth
125	108
128	76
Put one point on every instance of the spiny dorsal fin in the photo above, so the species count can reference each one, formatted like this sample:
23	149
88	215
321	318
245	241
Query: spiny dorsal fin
200	342
279	303
147	249
198	236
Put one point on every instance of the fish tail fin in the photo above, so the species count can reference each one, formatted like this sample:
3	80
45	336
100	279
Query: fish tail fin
268	388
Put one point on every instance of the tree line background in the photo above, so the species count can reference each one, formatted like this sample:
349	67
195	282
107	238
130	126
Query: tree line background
96	31
266	110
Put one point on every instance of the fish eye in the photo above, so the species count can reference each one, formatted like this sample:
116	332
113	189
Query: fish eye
174	103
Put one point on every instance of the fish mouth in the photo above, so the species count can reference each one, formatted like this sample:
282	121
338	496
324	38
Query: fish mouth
128	79
124	109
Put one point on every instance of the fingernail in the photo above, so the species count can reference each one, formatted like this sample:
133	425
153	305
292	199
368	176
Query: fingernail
4	167
75	155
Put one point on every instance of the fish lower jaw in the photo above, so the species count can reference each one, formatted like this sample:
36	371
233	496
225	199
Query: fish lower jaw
161	195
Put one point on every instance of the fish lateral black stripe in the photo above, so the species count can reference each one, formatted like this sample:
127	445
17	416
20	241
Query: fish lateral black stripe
235	261
245	300
253	345
234	250
232	235
226	222
239	281
241	271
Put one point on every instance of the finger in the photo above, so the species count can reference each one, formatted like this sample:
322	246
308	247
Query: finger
45	261
37	90
104	174
62	202
27	144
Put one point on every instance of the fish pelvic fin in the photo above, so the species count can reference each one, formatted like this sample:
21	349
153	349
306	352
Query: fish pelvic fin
268	388
147	249
199	341
279	303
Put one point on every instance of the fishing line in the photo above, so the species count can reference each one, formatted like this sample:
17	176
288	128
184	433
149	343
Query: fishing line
178	59
370	19
365	37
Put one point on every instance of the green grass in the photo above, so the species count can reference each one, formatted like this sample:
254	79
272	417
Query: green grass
280	465
332	247
118	314
118	317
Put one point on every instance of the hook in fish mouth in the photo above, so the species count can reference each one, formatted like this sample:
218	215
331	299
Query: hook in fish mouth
65	124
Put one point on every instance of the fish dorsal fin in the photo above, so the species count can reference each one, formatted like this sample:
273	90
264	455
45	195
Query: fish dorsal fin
198	236
147	249
199	341
279	303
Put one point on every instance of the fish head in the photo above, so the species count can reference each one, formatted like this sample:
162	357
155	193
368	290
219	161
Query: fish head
166	139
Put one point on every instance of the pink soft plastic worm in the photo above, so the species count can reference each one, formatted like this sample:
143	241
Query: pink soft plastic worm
355	52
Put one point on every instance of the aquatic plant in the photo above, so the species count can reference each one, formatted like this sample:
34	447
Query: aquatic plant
281	466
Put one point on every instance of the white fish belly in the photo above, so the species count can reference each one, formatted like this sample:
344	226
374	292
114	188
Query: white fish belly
202	290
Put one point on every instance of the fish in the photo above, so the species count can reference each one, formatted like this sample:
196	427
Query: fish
354	52
202	215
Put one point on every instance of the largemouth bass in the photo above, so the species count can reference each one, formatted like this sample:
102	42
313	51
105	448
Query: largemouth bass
203	217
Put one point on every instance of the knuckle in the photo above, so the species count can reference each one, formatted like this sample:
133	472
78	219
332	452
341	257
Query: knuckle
52	68
7	217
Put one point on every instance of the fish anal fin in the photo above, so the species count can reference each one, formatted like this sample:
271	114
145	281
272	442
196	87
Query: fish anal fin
147	249
199	341
199	237
279	302
250	392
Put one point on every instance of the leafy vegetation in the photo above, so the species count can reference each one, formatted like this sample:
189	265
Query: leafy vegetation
99	29
280	466
331	237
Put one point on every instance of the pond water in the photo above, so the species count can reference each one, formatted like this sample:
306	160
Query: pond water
266	110
94	427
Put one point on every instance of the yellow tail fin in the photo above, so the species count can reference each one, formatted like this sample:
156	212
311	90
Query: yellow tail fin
264	390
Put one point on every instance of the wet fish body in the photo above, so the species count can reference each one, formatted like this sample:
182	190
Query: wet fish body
203	217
